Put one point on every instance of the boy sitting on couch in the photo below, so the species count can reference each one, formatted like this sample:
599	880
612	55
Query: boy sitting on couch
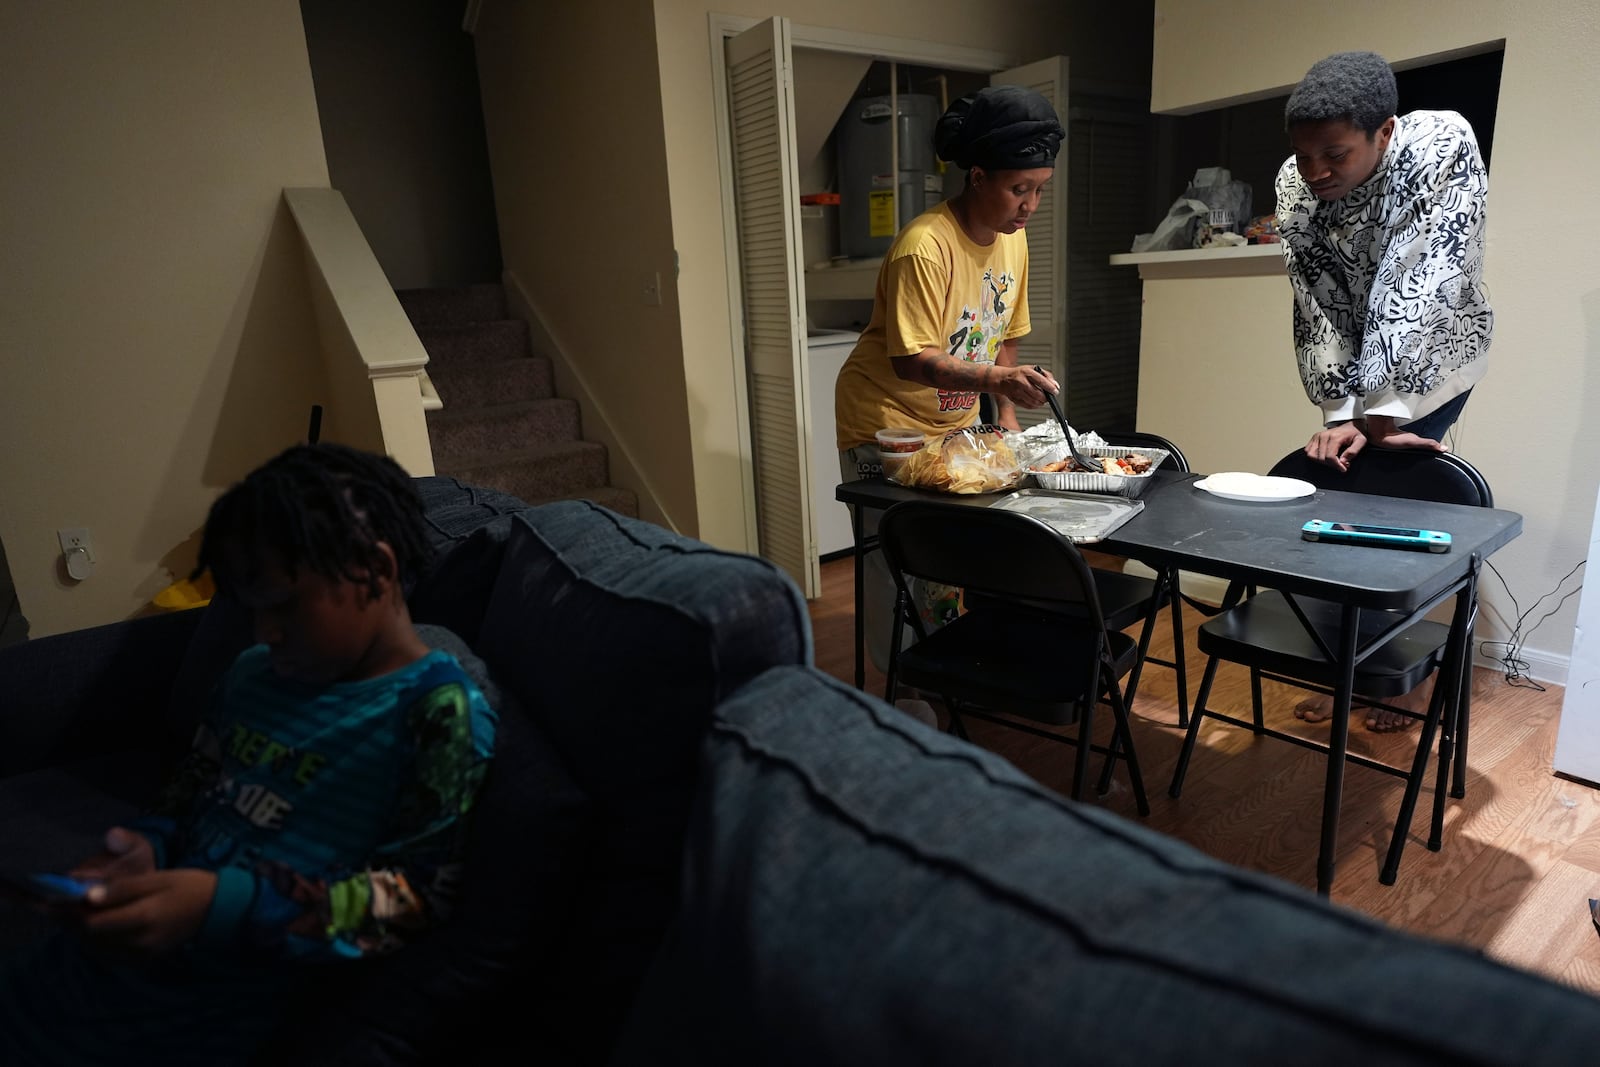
320	813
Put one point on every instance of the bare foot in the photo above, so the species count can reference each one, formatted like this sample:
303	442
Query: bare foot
920	710
1314	709
1387	722
1319	708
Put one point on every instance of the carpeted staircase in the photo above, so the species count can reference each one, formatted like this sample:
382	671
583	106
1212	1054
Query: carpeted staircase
502	426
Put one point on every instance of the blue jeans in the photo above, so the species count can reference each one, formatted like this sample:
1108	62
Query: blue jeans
1435	423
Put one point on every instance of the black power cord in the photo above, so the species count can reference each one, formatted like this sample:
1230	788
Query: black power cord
11	611
1510	657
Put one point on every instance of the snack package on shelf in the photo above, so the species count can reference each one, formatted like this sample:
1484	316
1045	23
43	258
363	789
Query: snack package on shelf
977	459
1262	230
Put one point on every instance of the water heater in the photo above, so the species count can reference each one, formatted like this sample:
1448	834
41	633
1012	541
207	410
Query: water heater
867	177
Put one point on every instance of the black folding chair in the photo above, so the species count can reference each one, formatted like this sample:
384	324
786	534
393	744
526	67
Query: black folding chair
1288	638
1033	645
1127	598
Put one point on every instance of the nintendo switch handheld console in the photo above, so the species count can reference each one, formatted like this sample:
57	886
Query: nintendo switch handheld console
1380	536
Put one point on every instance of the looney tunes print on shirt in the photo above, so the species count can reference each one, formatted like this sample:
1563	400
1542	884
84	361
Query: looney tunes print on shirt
1388	280
978	333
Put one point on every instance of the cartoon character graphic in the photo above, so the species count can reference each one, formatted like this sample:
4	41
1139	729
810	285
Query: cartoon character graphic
978	333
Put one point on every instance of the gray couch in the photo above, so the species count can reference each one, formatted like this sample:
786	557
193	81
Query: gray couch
694	848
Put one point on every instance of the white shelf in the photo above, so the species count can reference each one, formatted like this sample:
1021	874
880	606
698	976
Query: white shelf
1236	261
852	279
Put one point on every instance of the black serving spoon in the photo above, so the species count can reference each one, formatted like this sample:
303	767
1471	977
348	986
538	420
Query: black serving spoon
1084	462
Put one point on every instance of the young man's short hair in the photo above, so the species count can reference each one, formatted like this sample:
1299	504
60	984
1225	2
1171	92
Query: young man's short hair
1357	86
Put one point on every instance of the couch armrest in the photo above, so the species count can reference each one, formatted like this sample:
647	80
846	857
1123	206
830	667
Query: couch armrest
860	889
93	690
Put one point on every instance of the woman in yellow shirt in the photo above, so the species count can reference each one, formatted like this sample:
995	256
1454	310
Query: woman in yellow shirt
950	305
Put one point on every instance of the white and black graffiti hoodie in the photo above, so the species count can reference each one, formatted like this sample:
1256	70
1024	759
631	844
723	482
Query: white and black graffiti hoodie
1390	313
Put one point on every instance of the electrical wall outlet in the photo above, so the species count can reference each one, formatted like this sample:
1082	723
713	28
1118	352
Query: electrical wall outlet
76	551
75	537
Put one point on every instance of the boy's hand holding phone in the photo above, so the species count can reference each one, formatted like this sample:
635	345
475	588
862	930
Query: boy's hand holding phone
151	912
69	897
126	853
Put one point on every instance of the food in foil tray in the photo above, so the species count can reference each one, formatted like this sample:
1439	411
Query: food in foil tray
1128	464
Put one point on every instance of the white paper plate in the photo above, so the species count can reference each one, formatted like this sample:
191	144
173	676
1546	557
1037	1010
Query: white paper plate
1241	485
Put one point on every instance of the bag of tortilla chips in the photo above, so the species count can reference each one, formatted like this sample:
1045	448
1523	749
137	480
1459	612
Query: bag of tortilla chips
976	459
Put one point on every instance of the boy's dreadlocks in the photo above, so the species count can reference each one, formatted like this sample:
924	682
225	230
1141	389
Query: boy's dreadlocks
325	507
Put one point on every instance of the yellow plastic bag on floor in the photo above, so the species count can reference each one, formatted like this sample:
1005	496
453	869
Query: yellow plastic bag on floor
186	593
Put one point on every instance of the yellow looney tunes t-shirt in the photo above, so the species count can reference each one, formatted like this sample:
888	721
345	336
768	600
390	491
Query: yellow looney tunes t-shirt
937	288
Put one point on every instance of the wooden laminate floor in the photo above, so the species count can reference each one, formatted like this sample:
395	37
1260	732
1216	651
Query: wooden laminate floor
1521	854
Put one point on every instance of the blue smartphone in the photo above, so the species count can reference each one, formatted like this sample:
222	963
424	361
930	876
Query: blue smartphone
50	886
1353	533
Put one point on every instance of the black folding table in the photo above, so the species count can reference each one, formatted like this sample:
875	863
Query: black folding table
1259	544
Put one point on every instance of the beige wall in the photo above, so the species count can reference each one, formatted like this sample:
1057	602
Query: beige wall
1204	345
573	115
1542	272
155	332
403	128
1105	42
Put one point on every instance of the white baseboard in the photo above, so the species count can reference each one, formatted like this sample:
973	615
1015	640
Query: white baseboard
1543	666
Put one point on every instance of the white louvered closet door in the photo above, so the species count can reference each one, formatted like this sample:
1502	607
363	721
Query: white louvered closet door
1046	343
766	193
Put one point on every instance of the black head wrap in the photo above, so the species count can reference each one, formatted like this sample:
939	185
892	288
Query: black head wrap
1000	127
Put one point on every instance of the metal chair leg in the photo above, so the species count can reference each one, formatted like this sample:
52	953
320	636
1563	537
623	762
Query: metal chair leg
1179	660
1103	786
1455	685
1256	715
1437	710
1080	768
1197	715
1458	788
1452	718
1145	633
1124	731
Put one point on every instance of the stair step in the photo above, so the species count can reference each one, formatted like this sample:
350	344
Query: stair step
465	385
539	473
476	431
502	427
478	342
455	306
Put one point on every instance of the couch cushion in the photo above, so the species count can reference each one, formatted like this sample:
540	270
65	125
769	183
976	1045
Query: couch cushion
88	692
863	890
468	527
453	509
455	591
621	637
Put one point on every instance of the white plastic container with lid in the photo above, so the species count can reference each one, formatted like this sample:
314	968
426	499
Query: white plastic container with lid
896	445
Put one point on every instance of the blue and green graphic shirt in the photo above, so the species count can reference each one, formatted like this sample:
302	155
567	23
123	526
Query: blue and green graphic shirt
332	814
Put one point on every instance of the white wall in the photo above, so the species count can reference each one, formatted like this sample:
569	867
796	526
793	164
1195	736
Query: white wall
155	331
1106	42
1530	424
